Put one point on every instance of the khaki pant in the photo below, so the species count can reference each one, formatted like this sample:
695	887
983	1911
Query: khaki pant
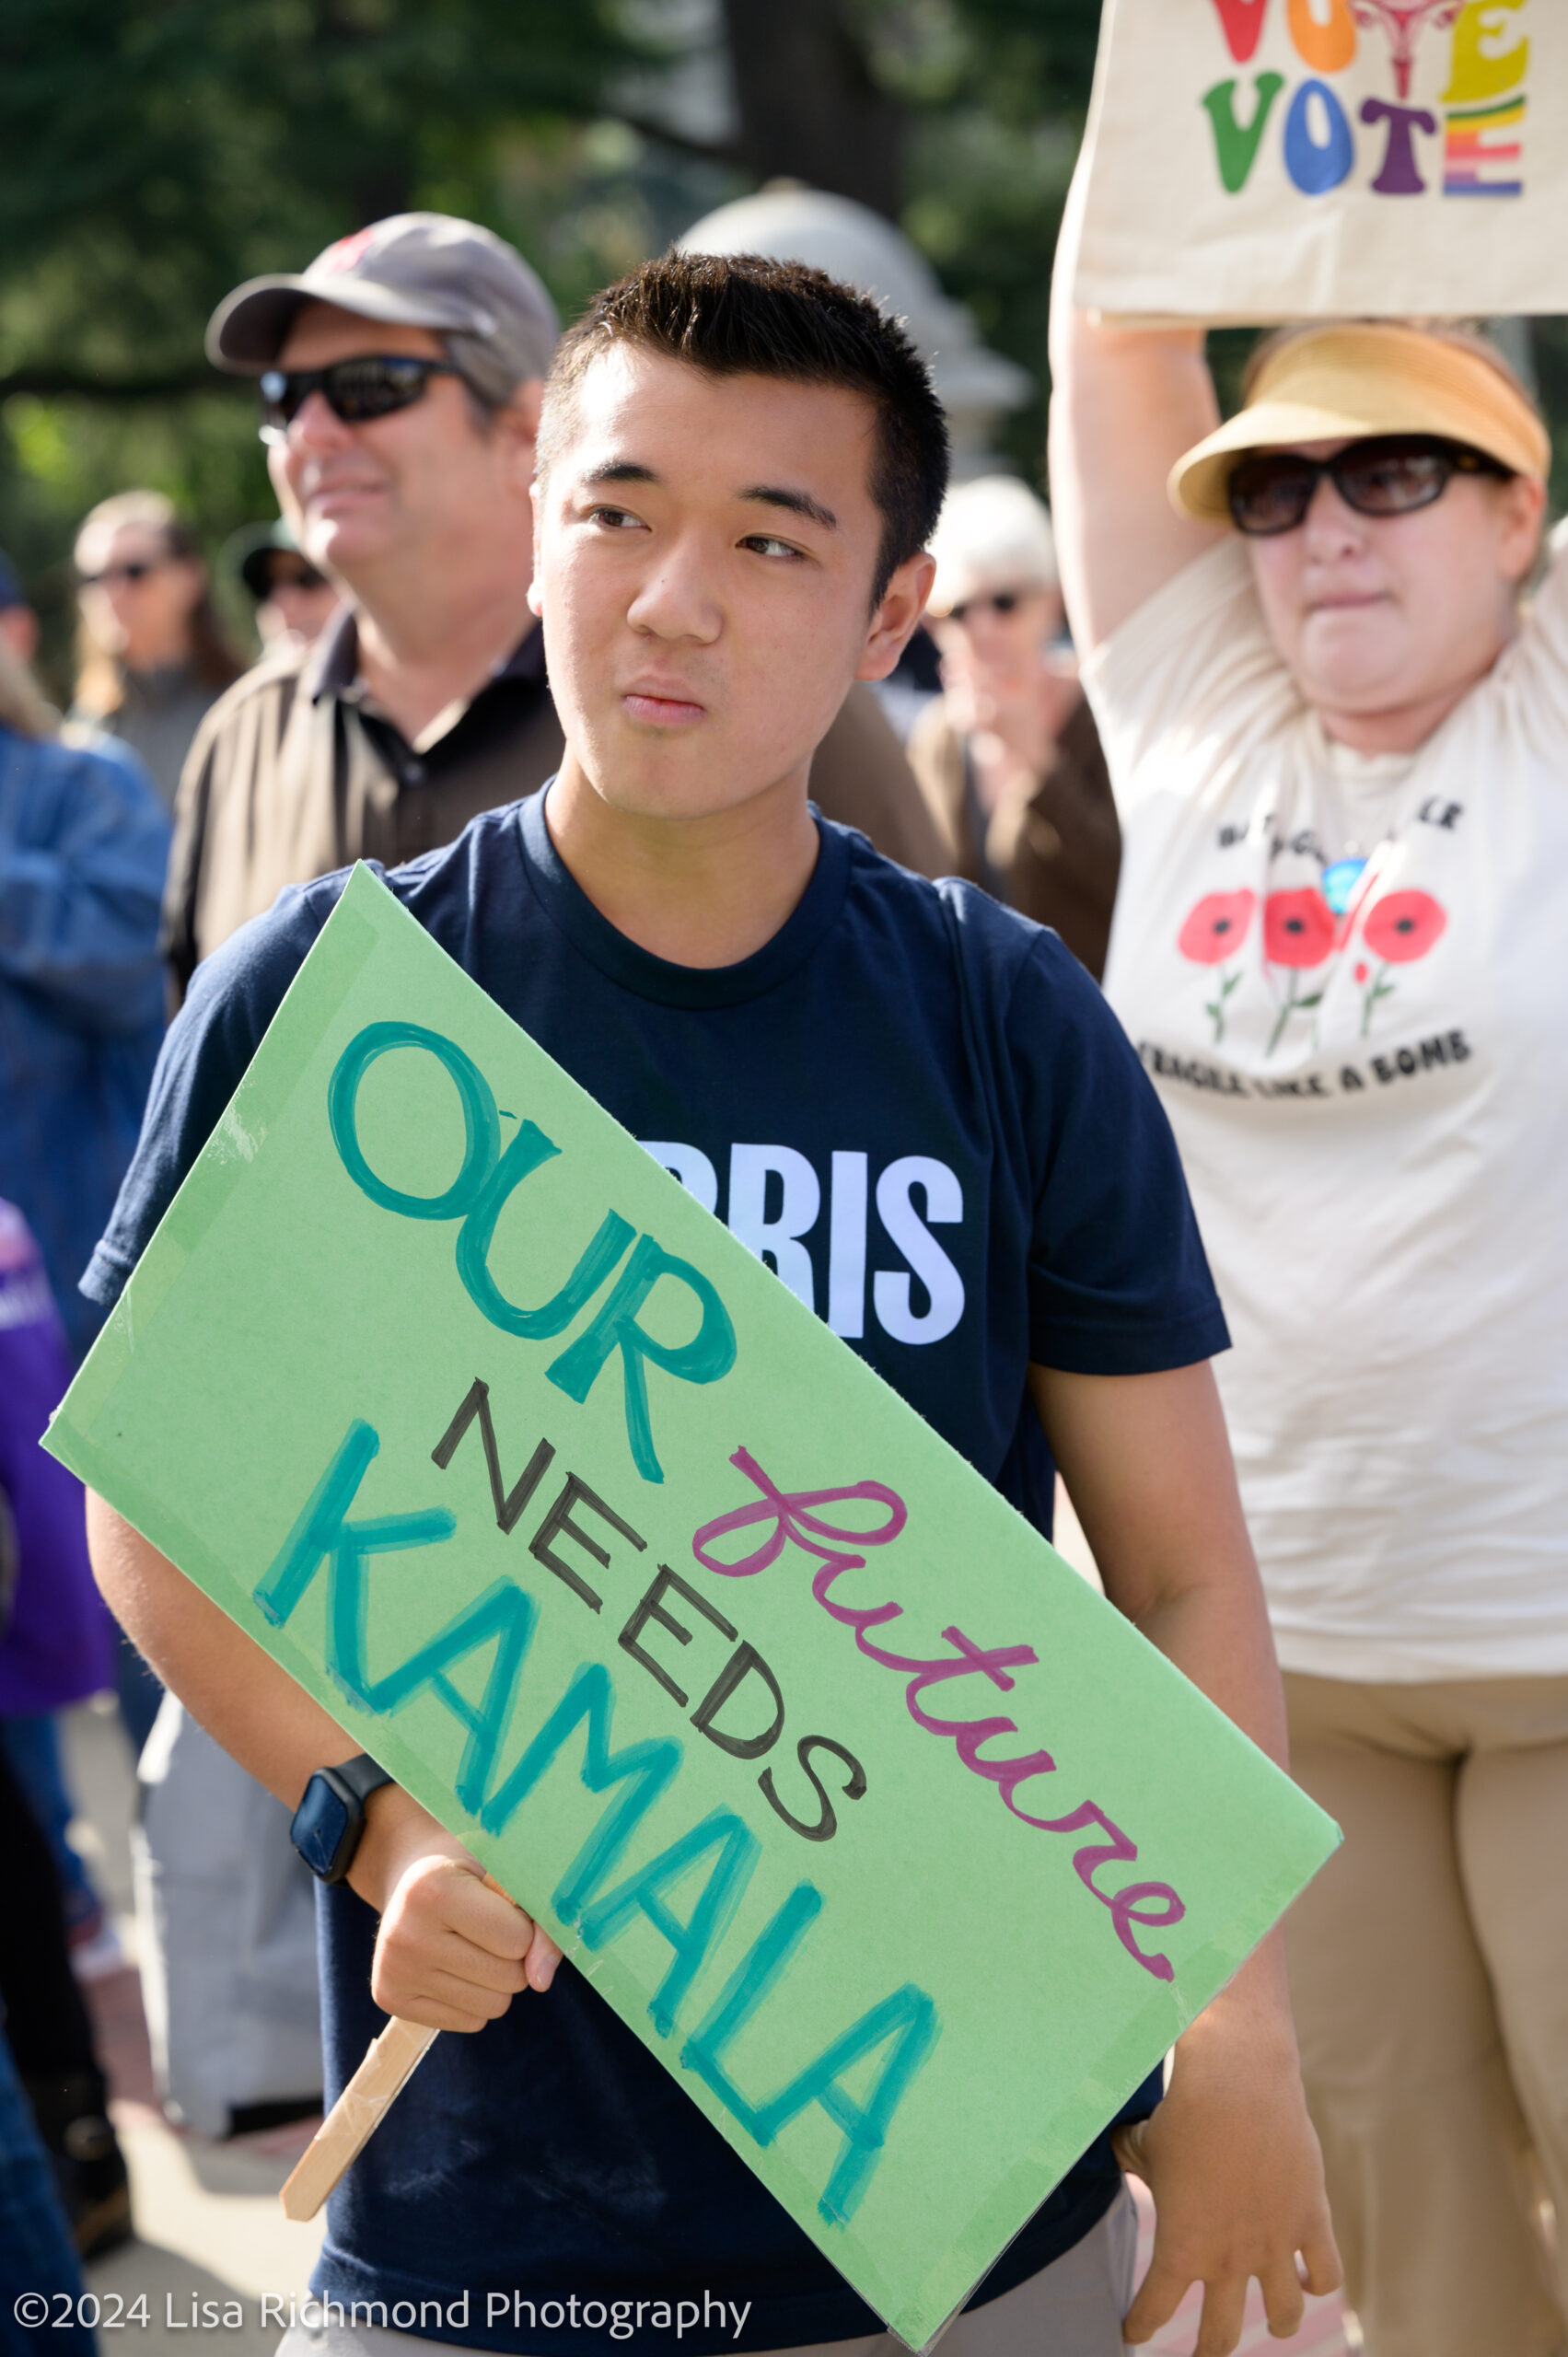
1429	1971
1073	2308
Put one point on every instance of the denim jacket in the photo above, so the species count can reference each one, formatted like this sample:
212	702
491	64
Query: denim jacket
83	842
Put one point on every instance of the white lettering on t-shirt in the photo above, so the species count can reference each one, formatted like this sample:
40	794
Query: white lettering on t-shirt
690	1166
846	1246
750	1167
890	1292
797	1207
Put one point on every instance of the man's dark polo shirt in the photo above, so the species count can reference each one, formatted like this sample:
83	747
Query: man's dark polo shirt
295	772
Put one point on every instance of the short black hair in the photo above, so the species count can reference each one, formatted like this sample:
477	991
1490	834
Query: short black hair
746	315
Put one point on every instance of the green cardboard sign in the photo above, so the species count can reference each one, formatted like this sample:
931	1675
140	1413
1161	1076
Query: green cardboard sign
892	1840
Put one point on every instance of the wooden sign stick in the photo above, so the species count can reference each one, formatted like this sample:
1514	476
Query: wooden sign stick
389	2063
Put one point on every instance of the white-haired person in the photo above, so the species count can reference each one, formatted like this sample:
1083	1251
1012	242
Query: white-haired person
1008	756
1338	731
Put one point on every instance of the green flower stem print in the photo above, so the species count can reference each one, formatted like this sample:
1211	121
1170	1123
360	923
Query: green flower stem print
1299	933
1213	931
1399	928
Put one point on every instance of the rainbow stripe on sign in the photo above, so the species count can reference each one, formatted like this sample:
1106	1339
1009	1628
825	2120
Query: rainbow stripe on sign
1473	147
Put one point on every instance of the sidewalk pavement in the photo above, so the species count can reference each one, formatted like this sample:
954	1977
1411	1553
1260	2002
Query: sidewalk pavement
210	2230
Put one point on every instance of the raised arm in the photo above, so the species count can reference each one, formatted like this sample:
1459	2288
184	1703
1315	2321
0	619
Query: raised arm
1229	2155
1126	403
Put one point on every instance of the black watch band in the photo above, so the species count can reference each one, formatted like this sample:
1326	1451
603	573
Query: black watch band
329	1821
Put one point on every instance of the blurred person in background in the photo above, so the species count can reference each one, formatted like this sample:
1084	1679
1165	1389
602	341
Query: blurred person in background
19	623
1008	756
152	656
293	602
1338	729
401	376
57	1644
83	842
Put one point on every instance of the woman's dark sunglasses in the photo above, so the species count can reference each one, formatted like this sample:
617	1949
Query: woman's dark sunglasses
294	576
1391	474
137	570
372	385
1001	602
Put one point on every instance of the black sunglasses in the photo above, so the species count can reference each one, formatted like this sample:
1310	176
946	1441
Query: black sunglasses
299	575
1001	602
1389	474
374	385
136	570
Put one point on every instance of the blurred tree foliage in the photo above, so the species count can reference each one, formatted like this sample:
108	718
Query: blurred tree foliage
156	150
153	153
997	105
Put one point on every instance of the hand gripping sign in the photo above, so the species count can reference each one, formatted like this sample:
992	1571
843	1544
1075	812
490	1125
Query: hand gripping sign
1278	159
726	1668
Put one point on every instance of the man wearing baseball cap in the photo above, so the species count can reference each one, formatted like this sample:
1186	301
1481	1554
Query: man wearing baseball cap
401	376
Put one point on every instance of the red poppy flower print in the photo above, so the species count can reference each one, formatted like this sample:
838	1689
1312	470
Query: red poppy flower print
1298	931
1299	928
1215	931
1403	926
1399	928
1216	928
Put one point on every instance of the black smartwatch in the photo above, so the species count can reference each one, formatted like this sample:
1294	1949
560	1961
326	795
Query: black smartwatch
330	1820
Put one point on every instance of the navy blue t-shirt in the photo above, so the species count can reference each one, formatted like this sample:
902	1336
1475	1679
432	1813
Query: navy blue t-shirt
917	1105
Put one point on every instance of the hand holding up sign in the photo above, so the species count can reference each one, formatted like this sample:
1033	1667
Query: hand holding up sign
452	1951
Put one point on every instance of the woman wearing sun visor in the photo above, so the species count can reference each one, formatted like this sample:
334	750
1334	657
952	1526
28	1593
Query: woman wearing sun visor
1338	733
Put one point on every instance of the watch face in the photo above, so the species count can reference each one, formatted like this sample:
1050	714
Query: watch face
321	1824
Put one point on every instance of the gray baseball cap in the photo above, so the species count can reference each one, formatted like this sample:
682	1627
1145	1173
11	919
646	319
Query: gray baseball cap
416	269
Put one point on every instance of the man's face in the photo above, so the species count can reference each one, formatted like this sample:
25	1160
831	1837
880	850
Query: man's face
1000	635
298	604
1381	613
705	550
409	489
136	595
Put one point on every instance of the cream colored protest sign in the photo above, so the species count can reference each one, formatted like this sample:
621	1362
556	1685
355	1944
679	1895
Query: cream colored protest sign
1271	160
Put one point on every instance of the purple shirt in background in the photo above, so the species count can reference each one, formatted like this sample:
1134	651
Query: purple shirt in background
58	1646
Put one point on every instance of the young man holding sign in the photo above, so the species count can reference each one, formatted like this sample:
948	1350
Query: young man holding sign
740	465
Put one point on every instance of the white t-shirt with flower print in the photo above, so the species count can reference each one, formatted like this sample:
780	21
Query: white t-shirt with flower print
1347	978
